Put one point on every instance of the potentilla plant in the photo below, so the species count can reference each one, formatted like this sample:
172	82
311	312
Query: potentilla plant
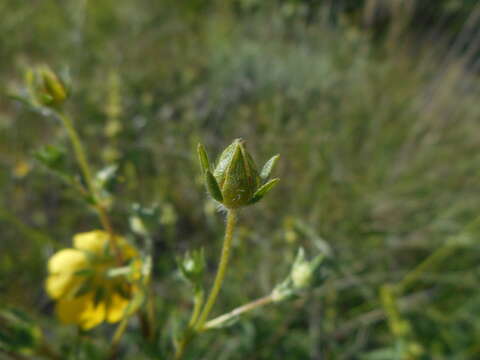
106	278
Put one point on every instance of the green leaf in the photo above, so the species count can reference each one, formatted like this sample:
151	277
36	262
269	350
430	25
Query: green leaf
212	186
18	332
203	158
106	177
52	157
84	272
268	167
119	271
263	190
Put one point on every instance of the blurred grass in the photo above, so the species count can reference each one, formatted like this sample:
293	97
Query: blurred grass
377	127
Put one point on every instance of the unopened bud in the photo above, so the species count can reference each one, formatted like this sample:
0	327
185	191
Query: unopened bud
303	270
192	266
235	181
46	87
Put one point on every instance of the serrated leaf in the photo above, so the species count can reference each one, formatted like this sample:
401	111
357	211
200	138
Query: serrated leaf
263	190
212	186
203	158
268	167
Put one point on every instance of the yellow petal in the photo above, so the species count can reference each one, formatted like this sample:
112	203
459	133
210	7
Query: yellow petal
81	311
67	261
93	315
117	308
92	241
60	284
69	311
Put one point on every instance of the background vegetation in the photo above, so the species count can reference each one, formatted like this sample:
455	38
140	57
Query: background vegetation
374	108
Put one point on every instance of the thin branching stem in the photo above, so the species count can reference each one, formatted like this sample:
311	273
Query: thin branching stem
198	318
82	160
197	307
237	312
222	268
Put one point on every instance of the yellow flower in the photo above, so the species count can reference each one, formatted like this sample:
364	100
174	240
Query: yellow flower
88	284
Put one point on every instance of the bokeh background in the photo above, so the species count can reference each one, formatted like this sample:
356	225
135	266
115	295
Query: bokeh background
374	107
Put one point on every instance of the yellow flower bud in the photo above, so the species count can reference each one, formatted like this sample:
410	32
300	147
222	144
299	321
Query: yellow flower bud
45	87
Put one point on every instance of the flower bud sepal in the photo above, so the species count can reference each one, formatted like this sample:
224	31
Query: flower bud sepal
235	181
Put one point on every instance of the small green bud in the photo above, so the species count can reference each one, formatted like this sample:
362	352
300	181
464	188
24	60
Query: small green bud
45	87
303	271
192	266
235	182
302	276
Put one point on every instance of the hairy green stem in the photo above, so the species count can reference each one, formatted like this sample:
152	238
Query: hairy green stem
189	333
222	268
197	307
78	151
81	157
198	318
238	311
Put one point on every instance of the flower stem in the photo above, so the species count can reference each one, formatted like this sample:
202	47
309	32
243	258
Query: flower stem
238	311
81	157
117	336
199	317
222	267
197	307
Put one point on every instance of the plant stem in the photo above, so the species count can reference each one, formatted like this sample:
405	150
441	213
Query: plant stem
238	311
197	307
222	267
117	336
81	157
198	318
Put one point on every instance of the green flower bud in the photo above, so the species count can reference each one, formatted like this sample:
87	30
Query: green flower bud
192	267
235	181
303	270
303	275
46	87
